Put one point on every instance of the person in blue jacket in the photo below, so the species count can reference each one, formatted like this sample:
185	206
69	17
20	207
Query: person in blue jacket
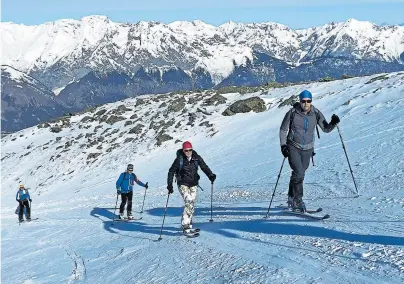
22	198
124	187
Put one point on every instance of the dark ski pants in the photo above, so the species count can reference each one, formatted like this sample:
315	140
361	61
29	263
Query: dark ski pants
126	197
299	161
28	209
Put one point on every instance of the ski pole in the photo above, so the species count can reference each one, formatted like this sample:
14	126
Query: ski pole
19	220
116	204
346	155
273	194
211	203
144	197
165	211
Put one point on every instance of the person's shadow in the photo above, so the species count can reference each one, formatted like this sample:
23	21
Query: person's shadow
228	227
106	215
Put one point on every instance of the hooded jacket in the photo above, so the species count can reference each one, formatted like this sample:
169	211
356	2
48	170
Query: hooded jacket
188	174
301	133
126	181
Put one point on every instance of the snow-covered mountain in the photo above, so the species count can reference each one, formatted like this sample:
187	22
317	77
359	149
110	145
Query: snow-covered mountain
71	166
25	101
59	52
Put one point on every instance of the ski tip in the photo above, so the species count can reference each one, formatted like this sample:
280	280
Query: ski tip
211	220
326	216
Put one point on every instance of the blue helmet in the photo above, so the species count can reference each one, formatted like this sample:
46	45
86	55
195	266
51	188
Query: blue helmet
305	95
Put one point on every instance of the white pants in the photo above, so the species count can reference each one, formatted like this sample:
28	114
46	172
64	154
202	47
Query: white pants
188	193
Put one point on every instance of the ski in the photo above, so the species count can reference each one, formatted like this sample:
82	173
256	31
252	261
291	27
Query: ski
309	211
27	221
128	220
307	215
191	235
196	230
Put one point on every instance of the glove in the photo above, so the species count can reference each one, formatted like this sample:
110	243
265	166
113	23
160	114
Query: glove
334	119
285	150
30	200
212	177
146	185
170	189
118	192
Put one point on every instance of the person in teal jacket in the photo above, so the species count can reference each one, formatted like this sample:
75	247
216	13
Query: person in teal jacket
124	187
22	198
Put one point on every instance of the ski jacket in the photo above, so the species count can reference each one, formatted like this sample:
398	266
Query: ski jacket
126	181
300	131
22	194
186	171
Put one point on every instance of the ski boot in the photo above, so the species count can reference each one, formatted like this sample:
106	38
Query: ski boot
298	205
121	216
130	216
290	202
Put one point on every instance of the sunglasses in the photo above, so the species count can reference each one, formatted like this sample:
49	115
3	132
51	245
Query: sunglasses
189	150
130	170
306	102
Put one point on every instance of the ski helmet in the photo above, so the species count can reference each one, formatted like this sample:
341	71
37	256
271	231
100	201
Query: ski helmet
21	186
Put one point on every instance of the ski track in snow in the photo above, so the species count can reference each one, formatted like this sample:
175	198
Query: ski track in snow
75	240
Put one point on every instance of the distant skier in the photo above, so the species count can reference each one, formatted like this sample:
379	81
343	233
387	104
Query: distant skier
297	143
22	198
185	168
124	187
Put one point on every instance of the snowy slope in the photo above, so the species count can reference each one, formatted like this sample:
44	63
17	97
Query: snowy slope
73	193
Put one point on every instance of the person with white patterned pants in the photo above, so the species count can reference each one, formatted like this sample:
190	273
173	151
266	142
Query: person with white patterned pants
185	168
188	193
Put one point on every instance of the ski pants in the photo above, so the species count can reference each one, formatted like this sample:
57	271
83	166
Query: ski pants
188	194
299	161
28	209
126	197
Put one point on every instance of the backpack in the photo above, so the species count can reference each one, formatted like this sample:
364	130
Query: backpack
292	116
182	166
182	163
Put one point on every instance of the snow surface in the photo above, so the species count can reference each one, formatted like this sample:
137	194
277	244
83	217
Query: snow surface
75	240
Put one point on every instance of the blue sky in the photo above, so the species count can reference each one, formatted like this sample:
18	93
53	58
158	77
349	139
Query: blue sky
293	13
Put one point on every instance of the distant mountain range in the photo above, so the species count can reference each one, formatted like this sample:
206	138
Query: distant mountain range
94	61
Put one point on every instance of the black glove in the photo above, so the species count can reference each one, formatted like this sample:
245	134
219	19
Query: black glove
212	177
170	188
285	150
30	200
334	119
118	192
146	185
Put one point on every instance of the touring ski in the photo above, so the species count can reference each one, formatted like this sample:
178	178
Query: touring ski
191	234
308	211
27	221
128	220
306	215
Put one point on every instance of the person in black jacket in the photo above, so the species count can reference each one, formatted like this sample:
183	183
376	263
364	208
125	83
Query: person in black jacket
185	168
